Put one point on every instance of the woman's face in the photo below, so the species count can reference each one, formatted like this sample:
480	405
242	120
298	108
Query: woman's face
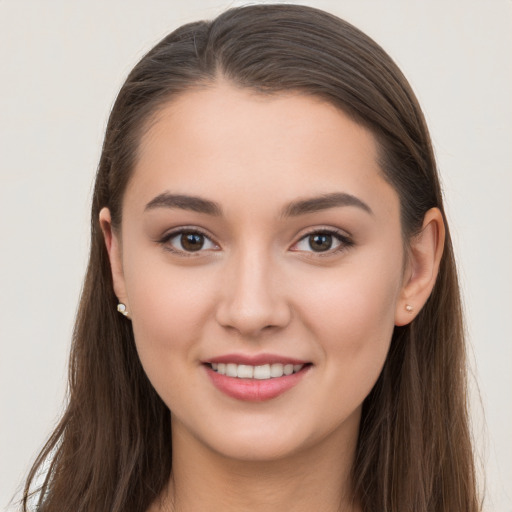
258	233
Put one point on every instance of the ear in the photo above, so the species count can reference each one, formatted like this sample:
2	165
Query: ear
113	244
422	267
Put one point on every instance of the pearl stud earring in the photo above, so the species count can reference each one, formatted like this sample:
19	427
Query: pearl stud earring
409	308
122	309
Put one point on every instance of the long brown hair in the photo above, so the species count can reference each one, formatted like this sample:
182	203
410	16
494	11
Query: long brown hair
112	449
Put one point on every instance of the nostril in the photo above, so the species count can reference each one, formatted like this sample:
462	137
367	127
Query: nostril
254	317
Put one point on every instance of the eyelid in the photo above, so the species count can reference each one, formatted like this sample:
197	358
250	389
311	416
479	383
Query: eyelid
169	235
343	237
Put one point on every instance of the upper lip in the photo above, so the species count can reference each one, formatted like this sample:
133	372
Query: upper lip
255	360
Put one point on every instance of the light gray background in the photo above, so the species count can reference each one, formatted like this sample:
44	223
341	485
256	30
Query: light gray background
61	65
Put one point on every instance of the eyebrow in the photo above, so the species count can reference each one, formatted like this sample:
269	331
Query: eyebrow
324	202
185	202
293	209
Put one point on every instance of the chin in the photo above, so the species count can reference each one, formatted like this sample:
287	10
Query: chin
259	450
271	440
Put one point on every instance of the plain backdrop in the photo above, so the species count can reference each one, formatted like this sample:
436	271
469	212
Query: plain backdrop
61	65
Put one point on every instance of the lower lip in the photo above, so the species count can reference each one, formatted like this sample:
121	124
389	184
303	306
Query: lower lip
254	390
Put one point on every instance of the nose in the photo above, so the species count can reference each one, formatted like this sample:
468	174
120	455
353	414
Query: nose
252	296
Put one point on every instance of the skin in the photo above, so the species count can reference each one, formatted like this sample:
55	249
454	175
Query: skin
257	286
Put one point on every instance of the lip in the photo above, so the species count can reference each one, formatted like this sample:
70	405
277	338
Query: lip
254	390
255	360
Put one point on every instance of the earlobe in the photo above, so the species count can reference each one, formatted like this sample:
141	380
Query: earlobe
425	253
113	245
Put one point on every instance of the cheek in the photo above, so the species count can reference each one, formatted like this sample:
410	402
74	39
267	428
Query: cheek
351	313
170	308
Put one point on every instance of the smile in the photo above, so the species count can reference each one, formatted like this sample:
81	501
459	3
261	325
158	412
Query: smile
261	372
263	380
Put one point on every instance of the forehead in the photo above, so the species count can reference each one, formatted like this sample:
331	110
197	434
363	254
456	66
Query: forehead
235	143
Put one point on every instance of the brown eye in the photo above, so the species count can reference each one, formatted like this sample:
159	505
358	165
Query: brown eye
185	242
192	241
320	242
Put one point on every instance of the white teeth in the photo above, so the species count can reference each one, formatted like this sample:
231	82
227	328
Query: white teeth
244	371
276	370
261	372
231	370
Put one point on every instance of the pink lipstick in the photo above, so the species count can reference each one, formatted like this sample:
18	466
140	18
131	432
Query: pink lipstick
255	378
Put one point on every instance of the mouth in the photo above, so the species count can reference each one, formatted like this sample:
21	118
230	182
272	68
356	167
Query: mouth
255	382
259	372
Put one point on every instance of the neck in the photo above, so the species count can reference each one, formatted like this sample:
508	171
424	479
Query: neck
316	478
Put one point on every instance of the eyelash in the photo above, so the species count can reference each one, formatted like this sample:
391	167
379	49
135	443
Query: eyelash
345	242
164	241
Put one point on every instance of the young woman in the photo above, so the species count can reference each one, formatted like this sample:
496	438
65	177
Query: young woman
270	318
